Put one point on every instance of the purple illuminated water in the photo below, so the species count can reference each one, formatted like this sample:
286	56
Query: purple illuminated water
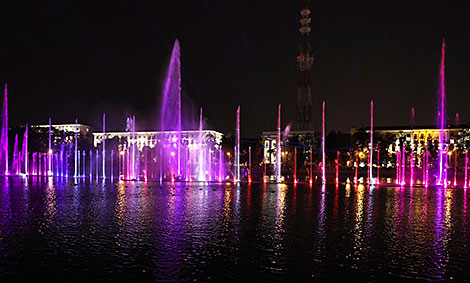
171	104
442	117
4	134
24	151
16	158
104	149
76	149
371	145
237	146
323	138
49	152
412	121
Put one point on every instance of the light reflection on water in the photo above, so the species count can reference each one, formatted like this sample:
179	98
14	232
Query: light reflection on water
147	231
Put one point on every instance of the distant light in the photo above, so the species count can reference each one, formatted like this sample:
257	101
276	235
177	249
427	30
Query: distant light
172	153
50	151
122	152
228	153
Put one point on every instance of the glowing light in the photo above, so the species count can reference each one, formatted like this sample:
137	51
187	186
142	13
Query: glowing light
172	153
50	151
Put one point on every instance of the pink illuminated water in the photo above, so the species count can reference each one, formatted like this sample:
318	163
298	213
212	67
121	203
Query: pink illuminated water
412	121
16	163
466	170
295	164
4	134
237	146
371	146
25	153
104	148
76	149
323	174
441	115
171	102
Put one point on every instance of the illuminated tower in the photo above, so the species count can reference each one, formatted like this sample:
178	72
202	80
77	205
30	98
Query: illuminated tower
303	107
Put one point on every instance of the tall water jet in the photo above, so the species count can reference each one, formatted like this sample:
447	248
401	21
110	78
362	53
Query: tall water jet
237	147
397	181
16	165
49	152
323	171
112	156
25	150
295	164
221	159
455	151
84	164
76	149
91	164
132	171
426	178
97	165
442	114
201	176
249	164
412	121
403	164
278	145
310	178
371	146
4	133
79	162
39	173
337	167
466	169
171	101
104	146
378	166
356	169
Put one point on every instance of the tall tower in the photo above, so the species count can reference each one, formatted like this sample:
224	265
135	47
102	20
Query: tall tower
303	108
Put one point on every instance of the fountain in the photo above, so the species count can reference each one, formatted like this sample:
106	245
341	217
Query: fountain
295	164
278	145
171	103
104	147
24	150
441	114
49	152
202	176
4	134
337	167
371	146
76	149
466	170
16	165
412	121
249	164
323	171
237	147
378	165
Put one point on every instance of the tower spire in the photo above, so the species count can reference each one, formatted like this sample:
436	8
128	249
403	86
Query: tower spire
303	108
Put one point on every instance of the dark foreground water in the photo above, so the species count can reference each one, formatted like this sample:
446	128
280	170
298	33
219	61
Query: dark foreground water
143	232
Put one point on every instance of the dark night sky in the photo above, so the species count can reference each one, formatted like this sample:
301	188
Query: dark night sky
79	59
